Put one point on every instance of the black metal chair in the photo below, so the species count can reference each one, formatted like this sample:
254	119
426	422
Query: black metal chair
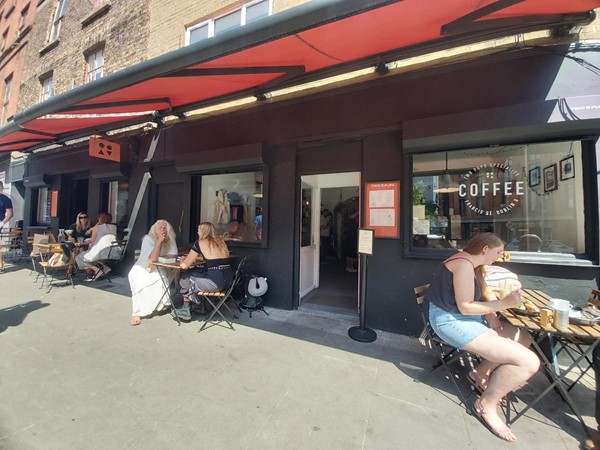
116	252
445	352
218	299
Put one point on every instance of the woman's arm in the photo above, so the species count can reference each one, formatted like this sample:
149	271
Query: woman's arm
94	234
189	260
464	292
155	253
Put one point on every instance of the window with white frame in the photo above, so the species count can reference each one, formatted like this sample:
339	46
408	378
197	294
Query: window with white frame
94	67
4	40
47	88
7	93
59	14
244	14
23	18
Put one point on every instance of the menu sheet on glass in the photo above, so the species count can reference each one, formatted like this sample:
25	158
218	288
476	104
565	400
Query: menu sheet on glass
383	208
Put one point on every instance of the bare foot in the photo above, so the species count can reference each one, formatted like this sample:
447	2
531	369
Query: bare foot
135	320
492	422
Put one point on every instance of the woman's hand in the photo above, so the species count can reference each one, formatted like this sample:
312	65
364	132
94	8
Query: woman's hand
512	300
493	321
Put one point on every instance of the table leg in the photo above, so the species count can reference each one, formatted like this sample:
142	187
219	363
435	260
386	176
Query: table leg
555	374
167	285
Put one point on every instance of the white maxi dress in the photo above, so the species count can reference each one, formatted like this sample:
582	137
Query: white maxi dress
147	288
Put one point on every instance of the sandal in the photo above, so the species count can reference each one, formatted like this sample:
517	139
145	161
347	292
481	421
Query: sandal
503	431
135	320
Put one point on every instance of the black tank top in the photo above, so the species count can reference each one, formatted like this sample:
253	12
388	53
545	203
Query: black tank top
441	289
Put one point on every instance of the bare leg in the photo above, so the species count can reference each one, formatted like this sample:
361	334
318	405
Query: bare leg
482	372
515	364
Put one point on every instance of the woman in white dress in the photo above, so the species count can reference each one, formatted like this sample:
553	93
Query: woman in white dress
146	280
103	234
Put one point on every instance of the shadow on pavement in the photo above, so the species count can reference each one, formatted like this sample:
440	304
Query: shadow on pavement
14	316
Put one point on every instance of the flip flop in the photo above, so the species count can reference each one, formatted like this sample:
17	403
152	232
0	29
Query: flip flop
503	432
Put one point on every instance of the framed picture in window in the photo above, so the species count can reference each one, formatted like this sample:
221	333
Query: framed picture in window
550	182
534	176
567	168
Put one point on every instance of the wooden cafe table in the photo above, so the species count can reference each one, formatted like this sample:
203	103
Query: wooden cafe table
580	338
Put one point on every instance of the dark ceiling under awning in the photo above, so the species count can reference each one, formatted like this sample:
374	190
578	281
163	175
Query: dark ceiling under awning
311	41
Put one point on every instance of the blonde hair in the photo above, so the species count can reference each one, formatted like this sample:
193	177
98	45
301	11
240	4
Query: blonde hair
79	226
475	247
170	234
206	231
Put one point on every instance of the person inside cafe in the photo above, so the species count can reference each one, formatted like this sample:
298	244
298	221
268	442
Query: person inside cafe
593	443
463	313
233	232
216	273
147	282
6	213
81	228
103	234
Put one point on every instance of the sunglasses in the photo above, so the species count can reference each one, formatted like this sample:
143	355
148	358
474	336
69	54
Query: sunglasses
83	217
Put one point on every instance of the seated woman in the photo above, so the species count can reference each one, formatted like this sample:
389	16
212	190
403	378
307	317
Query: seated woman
81	227
218	274
103	235
145	280
463	313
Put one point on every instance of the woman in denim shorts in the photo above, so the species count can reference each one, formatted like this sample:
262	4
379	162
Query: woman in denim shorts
463	313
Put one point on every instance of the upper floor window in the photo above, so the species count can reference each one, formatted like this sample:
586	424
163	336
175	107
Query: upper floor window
94	67
23	18
47	88
530	195
246	13
4	40
61	6
7	92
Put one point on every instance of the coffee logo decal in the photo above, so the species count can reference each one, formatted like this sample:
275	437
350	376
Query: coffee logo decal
472	188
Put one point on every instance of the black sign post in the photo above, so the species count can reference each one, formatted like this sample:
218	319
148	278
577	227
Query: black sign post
365	248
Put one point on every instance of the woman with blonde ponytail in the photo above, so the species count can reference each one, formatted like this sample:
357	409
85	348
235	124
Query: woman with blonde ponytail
217	274
462	312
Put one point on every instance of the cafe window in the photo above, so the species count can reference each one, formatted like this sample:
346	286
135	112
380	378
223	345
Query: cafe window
233	202
115	195
530	195
41	203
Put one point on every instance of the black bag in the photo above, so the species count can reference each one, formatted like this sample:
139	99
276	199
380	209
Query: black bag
252	303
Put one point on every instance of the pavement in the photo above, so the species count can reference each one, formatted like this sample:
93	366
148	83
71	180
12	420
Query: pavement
75	375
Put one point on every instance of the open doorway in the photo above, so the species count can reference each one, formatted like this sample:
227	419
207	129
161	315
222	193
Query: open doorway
328	253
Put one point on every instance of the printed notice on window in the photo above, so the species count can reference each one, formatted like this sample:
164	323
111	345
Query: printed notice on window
381	199
382	217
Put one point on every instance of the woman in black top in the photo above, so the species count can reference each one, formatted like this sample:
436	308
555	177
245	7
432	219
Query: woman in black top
463	313
81	227
217	275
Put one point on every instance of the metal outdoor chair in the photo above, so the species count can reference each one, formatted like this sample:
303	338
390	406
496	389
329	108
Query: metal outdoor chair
55	265
445	352
116	252
217	300
39	254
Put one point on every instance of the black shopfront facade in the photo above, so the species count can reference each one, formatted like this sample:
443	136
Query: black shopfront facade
518	132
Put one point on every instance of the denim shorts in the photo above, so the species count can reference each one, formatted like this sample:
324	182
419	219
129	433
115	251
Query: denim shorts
455	328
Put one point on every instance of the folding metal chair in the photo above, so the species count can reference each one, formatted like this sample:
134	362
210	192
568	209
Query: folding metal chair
445	352
218	299
55	265
116	252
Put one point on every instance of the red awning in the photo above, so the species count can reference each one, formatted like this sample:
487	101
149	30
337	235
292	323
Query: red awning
255	59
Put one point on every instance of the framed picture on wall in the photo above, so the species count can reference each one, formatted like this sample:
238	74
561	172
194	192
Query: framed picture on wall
567	168
534	176
550	181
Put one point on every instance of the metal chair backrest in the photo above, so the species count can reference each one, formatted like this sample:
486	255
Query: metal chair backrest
117	246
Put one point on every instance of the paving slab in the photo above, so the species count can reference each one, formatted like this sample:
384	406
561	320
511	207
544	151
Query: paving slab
74	374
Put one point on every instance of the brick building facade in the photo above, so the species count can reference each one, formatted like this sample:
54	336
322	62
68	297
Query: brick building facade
87	26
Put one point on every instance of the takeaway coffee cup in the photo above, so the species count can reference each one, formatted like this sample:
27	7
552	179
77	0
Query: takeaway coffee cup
561	313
